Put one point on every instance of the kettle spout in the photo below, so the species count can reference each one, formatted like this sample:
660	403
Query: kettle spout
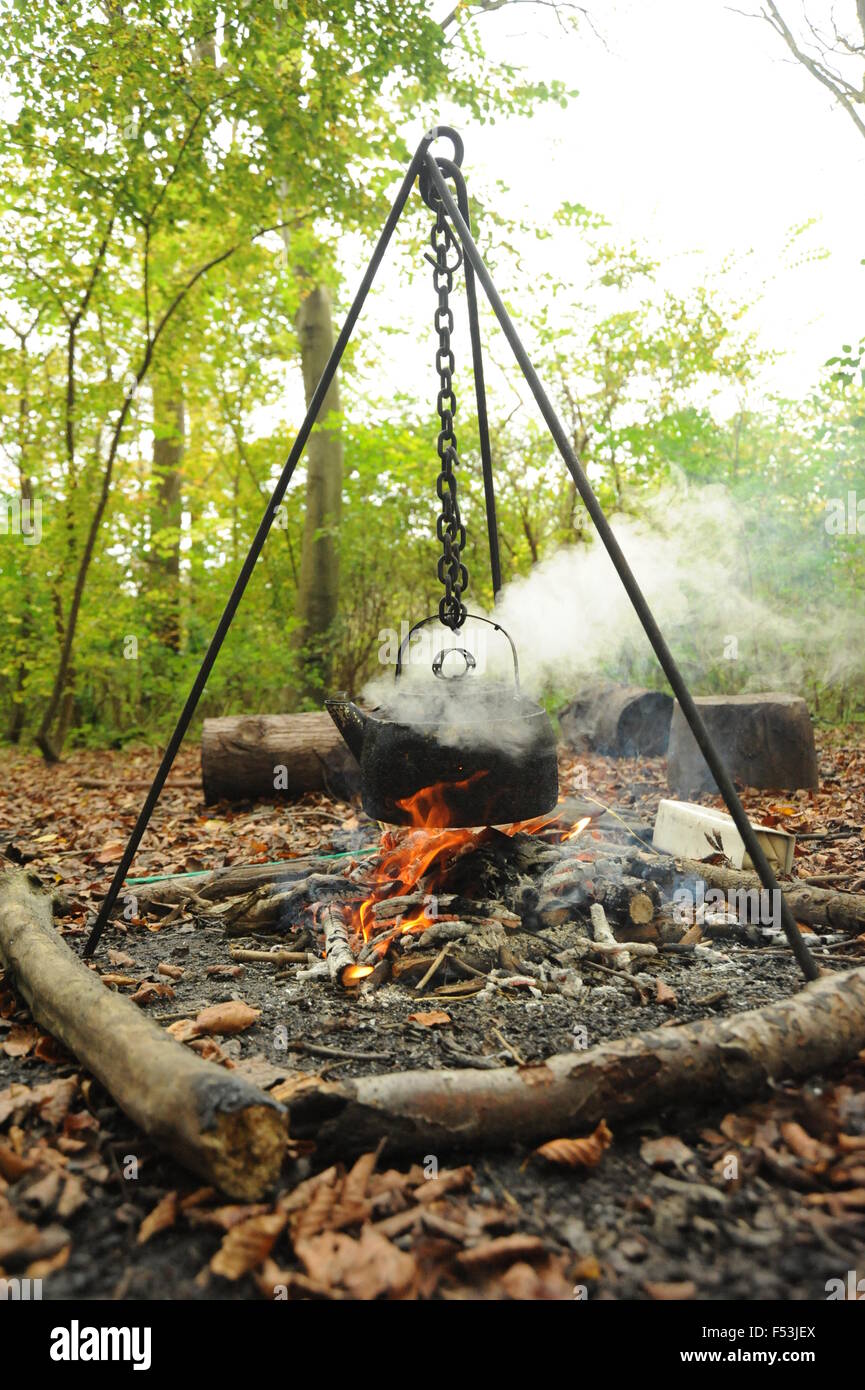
350	720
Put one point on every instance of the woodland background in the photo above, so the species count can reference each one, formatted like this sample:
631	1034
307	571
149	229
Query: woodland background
178	184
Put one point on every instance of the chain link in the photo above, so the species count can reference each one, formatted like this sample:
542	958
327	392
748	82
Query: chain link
450	530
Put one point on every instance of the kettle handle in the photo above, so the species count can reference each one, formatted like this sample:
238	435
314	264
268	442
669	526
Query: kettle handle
434	618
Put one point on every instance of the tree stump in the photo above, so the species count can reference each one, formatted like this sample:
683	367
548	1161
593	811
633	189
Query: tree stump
259	755
765	740
622	721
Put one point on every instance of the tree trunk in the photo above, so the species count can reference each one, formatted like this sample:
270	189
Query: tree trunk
318	586
169	429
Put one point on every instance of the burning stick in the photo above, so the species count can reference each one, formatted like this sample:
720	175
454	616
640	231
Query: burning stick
341	963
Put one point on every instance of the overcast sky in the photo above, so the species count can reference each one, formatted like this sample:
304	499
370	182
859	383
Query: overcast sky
695	131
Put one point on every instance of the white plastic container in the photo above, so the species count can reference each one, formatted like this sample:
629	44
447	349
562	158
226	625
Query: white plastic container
682	828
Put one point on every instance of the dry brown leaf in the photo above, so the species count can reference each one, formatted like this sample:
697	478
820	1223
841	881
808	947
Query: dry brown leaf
20	1040
665	995
227	1217
13	1165
40	1269
231	1017
15	1101
182	1029
578	1153
247	1245
666	1152
53	1098
665	1293
526	1282
22	1239
150	991
173	972
197	1198
451	1180
434	1018
294	1086
804	1145
366	1268
504	1250
161	1218
120	957
48	1049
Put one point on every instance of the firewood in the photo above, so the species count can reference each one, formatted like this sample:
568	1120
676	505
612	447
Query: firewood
210	1119
715	1059
338	952
602	932
232	882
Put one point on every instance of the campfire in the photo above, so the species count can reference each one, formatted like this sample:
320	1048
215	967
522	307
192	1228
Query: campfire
450	903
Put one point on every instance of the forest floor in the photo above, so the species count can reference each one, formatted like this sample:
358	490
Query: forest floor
91	1208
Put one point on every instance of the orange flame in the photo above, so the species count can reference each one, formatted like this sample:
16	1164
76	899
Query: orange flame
353	973
410	853
577	829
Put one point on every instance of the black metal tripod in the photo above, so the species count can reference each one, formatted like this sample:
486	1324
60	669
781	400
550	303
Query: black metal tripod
435	172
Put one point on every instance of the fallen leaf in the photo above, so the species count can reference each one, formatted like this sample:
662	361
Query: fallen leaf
367	1267
150	991
120	957
435	1018
173	972
110	852
227	1217
667	1152
578	1153
20	1040
232	1017
504	1250
161	1218
12	1164
525	1282
53	1098
665	1293
247	1245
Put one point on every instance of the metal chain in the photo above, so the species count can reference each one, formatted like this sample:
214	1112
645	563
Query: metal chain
450	531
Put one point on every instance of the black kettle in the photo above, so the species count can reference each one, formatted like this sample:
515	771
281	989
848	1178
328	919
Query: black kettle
463	752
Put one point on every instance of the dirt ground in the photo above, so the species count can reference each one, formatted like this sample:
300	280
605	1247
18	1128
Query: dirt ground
96	1212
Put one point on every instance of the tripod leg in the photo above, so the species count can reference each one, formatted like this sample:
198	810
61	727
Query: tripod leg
635	594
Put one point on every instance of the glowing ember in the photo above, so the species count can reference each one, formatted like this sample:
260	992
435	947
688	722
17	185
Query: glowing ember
353	973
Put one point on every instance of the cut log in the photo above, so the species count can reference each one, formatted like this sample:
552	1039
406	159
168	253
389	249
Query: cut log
210	1119
713	1060
622	721
764	741
244	757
